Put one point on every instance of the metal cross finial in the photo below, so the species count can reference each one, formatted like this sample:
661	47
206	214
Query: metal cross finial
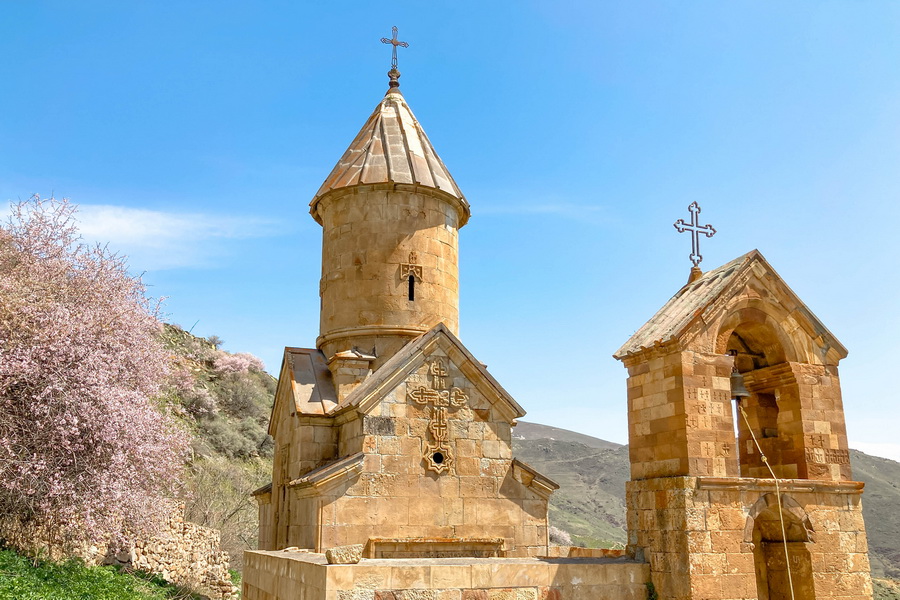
394	42
696	229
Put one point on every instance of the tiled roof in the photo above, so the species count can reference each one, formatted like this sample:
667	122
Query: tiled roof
310	381
695	300
391	148
685	306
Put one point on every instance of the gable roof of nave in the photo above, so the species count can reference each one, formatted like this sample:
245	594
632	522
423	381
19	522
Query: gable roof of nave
410	357
306	381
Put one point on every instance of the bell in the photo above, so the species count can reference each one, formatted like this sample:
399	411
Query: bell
738	389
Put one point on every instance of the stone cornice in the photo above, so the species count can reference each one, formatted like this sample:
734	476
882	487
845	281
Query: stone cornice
461	206
785	485
328	475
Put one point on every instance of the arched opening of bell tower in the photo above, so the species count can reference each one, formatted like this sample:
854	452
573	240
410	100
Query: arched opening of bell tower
781	537
768	422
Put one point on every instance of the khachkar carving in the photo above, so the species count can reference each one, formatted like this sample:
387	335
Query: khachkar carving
439	398
412	268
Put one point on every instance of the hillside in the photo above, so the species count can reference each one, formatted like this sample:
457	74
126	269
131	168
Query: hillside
880	503
224	399
590	504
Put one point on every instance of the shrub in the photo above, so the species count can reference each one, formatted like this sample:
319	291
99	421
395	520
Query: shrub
559	537
237	363
83	449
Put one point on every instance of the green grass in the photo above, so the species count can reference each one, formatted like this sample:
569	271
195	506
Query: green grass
24	579
886	589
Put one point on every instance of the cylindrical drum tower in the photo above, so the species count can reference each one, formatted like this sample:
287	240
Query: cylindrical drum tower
390	214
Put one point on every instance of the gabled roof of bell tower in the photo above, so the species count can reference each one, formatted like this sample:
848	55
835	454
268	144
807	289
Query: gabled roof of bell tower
391	148
704	302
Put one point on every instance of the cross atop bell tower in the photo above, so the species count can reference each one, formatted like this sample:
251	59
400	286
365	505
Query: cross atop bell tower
695	229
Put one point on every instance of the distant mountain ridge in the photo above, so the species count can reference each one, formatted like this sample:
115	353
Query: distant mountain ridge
590	504
525	430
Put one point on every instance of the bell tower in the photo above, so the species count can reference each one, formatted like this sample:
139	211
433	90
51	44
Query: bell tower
741	486
390	214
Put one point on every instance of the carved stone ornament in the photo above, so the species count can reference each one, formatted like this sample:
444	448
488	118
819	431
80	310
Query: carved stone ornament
411	268
440	399
438	457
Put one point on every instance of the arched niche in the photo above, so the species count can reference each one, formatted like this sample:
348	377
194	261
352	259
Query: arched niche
781	538
763	354
756	329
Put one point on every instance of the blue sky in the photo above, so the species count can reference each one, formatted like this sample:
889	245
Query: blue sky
194	134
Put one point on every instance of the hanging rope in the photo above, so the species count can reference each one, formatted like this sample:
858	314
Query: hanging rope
787	558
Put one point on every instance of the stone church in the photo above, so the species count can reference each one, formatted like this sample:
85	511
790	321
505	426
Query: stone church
393	473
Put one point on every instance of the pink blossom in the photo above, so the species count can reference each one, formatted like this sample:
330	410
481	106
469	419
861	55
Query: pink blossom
237	363
83	444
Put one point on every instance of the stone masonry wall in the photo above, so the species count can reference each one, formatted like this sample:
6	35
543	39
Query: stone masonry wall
699	536
679	415
186	554
477	492
811	440
275	576
373	238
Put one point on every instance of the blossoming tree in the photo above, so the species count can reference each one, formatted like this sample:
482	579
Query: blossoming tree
84	449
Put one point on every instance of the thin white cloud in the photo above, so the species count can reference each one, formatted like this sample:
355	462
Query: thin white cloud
157	240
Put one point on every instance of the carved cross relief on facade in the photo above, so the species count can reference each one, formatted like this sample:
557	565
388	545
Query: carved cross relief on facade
439	398
411	268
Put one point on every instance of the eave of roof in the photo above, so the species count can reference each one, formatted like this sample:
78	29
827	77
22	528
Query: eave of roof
694	299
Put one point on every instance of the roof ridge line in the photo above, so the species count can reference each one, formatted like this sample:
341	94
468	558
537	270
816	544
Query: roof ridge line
426	146
384	145
407	150
367	153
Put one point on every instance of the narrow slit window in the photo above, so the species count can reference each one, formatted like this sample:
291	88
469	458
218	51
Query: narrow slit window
412	287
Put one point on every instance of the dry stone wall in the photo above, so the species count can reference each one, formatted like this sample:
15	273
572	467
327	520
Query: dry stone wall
183	553
186	554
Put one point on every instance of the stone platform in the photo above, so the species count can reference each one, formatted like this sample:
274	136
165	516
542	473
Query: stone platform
300	575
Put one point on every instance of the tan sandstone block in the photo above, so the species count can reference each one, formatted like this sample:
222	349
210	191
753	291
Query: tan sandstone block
344	555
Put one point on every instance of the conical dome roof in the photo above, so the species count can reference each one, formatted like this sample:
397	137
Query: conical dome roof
391	148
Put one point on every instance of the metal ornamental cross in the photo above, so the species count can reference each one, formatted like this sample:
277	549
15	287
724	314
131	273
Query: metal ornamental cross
696	229
394	42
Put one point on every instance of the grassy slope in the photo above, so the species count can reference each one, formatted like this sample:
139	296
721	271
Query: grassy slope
590	505
880	509
23	579
886	589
